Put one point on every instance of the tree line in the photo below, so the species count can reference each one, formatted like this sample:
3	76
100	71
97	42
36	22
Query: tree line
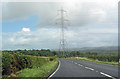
47	52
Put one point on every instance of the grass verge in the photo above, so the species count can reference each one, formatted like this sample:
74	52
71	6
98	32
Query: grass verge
97	61
43	71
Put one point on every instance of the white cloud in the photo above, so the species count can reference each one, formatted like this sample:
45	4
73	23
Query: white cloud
12	39
80	12
49	38
26	29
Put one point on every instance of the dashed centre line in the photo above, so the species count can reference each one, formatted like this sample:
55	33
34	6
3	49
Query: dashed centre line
95	71
89	68
75	62
107	75
80	65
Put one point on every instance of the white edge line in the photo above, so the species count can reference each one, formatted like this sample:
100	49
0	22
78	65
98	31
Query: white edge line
55	70
107	75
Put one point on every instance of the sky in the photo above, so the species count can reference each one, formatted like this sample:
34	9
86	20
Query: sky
36	25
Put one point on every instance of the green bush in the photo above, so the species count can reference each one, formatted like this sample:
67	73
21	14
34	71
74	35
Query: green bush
51	59
20	61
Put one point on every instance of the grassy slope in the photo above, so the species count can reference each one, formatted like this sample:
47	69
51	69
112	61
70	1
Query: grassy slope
32	66
43	71
97	61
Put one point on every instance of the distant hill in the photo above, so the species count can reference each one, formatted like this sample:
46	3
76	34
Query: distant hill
104	49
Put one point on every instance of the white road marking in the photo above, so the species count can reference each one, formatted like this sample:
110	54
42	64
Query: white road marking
55	71
96	71
107	75
89	68
75	62
80	65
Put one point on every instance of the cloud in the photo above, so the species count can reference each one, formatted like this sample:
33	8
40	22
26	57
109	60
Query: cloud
80	13
41	38
50	38
26	29
91	24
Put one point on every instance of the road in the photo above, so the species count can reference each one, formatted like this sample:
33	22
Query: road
74	68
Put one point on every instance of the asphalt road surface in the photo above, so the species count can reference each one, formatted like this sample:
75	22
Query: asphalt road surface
74	68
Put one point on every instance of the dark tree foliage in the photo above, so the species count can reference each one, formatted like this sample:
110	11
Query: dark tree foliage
42	52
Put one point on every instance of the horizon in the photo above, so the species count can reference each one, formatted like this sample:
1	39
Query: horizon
54	49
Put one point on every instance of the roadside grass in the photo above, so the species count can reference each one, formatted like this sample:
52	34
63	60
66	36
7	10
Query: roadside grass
43	71
20	65
97	61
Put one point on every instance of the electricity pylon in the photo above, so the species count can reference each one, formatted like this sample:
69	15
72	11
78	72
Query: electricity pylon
62	23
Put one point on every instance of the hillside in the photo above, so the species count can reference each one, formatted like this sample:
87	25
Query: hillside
104	49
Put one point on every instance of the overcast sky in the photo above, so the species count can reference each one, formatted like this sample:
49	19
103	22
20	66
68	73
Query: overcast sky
28	25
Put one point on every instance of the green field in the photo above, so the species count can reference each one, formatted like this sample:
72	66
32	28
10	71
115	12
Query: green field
97	61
